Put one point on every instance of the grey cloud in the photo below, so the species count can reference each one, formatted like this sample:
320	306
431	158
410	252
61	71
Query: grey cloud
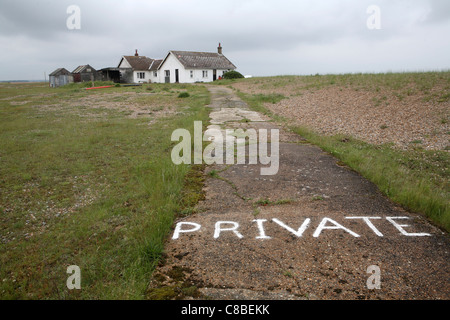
252	32
35	19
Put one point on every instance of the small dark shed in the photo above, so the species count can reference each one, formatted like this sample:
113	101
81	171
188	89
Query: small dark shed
60	77
86	73
111	74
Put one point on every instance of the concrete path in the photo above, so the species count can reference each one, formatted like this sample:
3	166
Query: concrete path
314	230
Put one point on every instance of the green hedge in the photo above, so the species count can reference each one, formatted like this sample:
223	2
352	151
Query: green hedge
232	75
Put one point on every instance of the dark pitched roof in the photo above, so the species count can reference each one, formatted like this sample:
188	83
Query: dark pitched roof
83	68
138	62
203	60
59	71
155	65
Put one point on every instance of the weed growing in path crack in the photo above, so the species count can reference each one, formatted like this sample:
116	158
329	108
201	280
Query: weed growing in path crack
215	174
267	202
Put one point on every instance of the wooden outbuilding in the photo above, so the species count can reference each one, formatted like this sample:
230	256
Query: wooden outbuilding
60	77
86	73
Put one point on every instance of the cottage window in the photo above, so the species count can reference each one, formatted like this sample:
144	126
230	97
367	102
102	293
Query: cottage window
155	74
192	74
141	75
205	74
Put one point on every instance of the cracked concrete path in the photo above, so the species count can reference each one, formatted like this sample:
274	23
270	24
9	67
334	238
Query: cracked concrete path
311	231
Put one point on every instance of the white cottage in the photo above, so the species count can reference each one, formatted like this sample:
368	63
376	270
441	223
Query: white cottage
138	69
190	67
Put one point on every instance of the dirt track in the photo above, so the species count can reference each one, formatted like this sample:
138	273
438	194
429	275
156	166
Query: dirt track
308	232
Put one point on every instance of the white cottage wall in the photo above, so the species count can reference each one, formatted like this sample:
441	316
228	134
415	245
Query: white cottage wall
124	64
186	75
147	76
171	64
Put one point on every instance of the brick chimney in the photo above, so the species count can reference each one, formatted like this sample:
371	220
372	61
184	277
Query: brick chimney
136	54
219	49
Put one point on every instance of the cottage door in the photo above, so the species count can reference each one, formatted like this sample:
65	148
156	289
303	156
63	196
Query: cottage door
214	75
177	76
167	76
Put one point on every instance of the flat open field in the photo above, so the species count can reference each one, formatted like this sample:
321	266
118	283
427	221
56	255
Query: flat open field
86	179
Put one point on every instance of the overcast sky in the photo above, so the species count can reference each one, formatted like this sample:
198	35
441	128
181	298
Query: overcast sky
261	38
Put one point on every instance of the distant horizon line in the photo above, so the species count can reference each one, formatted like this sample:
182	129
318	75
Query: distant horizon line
292	74
42	80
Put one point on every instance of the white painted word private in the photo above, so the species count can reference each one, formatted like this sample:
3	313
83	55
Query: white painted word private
326	223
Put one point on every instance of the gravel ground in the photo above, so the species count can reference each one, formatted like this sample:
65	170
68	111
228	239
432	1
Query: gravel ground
374	117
